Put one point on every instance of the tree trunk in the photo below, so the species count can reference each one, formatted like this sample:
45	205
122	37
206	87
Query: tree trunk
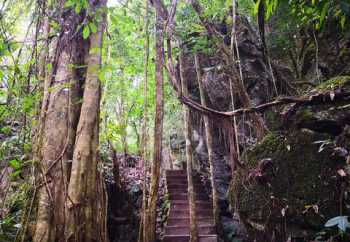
145	86
59	115
189	153
86	220
57	138
115	160
209	139
144	135
150	224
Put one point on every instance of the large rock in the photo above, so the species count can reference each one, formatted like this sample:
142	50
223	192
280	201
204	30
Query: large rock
291	186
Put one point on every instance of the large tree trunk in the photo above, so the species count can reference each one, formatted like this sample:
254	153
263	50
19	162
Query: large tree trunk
59	117
86	220
57	138
189	154
158	131
209	139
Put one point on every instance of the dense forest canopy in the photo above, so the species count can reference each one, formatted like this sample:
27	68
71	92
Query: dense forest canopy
198	120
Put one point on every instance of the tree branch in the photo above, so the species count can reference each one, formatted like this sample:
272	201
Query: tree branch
323	98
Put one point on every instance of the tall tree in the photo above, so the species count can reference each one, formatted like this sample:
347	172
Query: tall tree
209	140
60	113
189	154
144	135
150	224
68	158
86	220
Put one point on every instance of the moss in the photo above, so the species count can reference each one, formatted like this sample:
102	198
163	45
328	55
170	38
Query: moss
333	83
301	177
6	130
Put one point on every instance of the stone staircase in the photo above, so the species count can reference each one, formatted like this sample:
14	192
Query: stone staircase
177	228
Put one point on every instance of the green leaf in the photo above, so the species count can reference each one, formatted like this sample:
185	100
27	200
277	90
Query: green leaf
49	67
15	164
324	13
15	173
77	8
93	27
69	4
114	19
342	21
256	7
86	32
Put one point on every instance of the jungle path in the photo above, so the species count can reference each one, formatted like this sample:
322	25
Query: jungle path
177	228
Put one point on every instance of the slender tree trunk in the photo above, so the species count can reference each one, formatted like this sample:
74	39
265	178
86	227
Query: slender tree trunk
145	85
209	139
189	154
144	135
150	224
43	88
86	220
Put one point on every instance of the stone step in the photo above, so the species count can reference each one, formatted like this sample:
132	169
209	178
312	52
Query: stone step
176	186
184	206
179	185
177	228
202	230
184	196
174	176
185	221
207	203
182	212
172	179
183	185
176	172
179	177
186	238
187	216
184	190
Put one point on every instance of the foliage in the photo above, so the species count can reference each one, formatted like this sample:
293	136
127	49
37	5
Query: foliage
316	12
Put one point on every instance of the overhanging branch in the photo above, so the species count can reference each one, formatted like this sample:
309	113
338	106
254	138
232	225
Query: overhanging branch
322	98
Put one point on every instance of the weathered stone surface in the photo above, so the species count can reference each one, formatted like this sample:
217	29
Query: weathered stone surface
299	191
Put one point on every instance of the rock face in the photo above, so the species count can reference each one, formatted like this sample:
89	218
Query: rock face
293	195
216	82
295	179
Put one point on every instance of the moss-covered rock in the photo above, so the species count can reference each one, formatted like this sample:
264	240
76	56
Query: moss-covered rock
334	83
293	193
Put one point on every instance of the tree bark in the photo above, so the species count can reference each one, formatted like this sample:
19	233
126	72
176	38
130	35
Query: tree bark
57	139
158	131
189	153
56	144
209	139
144	135
86	220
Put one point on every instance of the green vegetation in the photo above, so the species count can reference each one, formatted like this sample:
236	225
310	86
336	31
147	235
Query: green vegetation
73	110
